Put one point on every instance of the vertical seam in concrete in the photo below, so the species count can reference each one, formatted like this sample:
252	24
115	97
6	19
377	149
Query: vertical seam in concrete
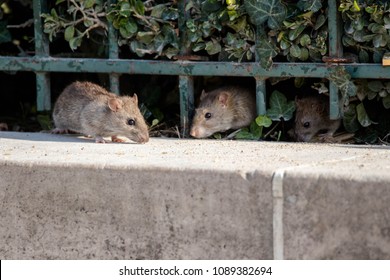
277	195
278	204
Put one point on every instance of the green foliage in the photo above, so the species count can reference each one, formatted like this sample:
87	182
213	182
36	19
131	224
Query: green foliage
255	130
350	121
224	29
297	32
342	79
77	19
272	12
5	35
279	107
310	5
366	28
280	110
219	27
148	28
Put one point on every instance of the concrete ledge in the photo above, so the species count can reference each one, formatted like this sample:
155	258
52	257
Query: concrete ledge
66	197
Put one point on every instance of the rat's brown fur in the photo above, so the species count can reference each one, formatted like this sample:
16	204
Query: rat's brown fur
312	119
88	108
230	107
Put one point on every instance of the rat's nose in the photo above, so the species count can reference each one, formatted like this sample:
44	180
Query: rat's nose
143	139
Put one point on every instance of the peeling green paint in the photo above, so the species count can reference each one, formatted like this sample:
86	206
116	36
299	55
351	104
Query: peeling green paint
191	68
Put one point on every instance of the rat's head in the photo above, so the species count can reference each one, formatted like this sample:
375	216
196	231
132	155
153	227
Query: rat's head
310	113
126	119
213	114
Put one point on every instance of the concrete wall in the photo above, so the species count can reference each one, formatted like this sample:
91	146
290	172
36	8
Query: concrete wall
69	198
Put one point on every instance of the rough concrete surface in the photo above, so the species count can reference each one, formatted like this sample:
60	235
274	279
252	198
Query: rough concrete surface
66	197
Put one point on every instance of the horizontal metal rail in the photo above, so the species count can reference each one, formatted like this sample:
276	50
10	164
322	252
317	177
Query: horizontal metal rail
190	68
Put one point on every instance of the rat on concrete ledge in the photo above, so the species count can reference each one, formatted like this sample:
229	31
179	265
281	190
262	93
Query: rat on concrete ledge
229	107
88	108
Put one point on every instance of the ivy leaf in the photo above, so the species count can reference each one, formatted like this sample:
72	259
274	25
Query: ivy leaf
69	33
158	10
210	6
145	37
89	3
263	120
310	5
279	107
125	9
266	50
295	51
75	42
244	134
363	56
320	21
343	81
305	40
350	121
386	101
170	14
139	7
256	130
271	11
293	34
375	86
362	116
213	47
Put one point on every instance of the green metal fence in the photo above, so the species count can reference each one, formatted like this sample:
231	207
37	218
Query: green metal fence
43	64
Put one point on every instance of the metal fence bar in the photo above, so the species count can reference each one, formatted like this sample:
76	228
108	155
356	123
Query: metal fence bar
113	53
186	82
41	50
335	50
261	92
187	68
186	89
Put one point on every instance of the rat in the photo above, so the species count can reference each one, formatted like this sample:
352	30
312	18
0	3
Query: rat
312	120
88	108
229	107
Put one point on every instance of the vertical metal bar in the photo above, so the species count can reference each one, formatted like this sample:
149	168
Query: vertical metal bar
186	88
335	50
261	92
113	53
261	107
186	83
41	50
43	91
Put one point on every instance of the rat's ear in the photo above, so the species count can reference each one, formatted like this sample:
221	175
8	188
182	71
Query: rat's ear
135	98
223	98
115	104
319	108
203	94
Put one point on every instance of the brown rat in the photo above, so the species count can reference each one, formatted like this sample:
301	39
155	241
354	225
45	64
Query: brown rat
88	108
229	107
312	120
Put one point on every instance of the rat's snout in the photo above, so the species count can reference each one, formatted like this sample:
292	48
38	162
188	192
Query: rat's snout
196	132
193	132
142	139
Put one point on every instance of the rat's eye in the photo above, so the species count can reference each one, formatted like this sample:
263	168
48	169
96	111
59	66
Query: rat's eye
207	115
306	125
131	122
